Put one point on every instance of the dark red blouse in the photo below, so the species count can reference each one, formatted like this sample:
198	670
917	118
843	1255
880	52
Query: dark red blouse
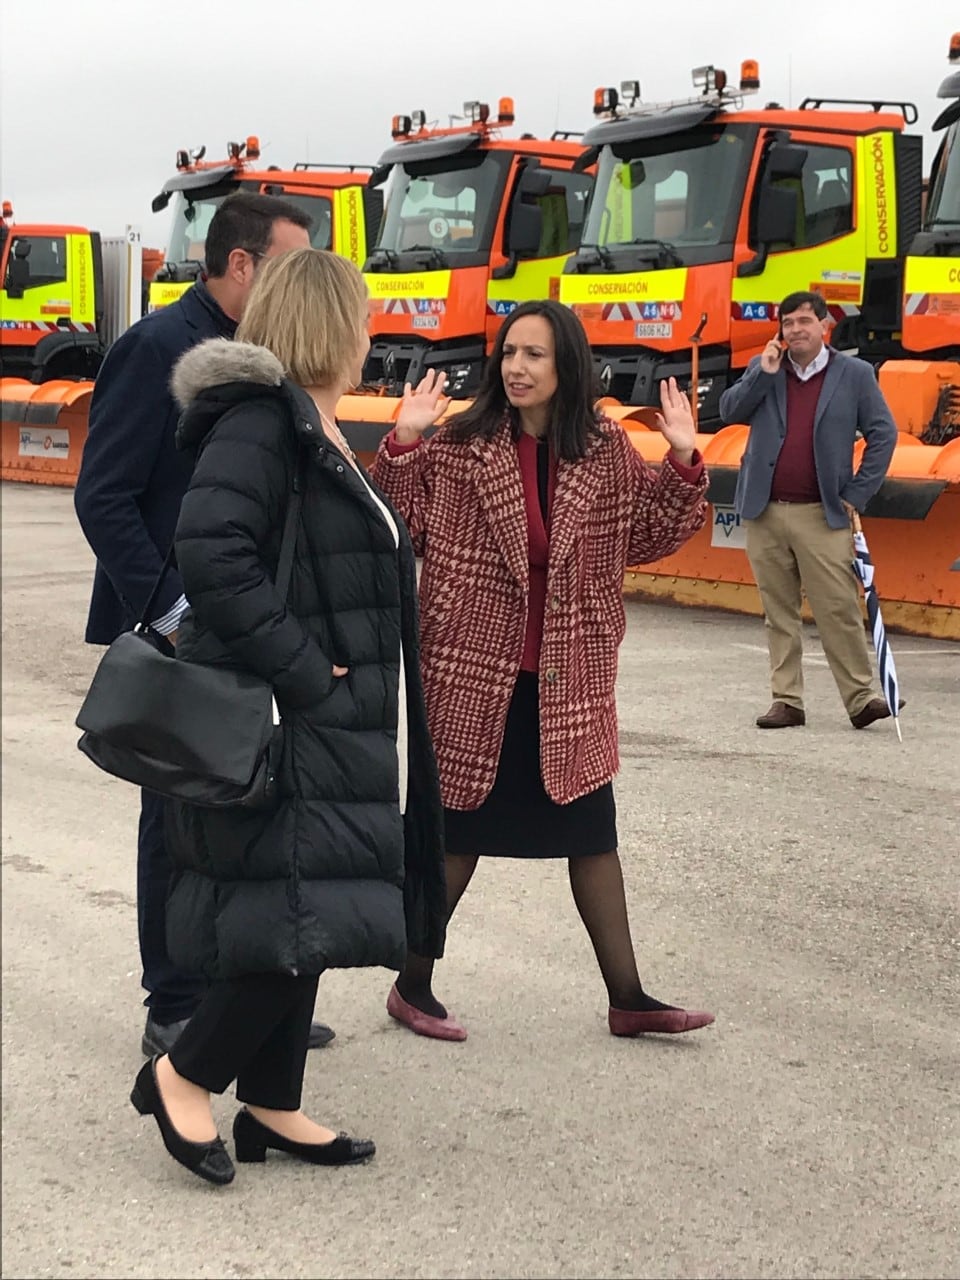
538	470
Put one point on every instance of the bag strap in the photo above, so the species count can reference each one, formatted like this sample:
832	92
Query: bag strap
144	622
289	540
288	544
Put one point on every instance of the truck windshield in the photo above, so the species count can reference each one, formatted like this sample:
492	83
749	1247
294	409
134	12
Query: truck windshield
447	207
684	190
943	203
194	210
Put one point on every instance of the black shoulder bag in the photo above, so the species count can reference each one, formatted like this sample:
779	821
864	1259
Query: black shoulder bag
210	736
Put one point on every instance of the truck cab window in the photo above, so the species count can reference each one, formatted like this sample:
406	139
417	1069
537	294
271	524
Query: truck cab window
564	209
37	261
825	191
191	222
827	194
944	198
320	210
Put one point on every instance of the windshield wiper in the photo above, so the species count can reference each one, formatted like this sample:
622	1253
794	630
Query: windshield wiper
668	252
604	256
945	222
438	258
383	256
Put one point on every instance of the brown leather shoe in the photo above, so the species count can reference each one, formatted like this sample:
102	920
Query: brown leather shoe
876	709
781	716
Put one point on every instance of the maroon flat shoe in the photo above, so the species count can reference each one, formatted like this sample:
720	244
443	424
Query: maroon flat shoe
423	1024
627	1022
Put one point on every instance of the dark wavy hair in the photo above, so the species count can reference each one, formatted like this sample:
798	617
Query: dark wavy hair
573	416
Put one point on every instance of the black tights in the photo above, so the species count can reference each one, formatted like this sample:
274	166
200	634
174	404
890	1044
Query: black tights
597	884
416	978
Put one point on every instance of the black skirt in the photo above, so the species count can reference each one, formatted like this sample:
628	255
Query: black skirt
518	819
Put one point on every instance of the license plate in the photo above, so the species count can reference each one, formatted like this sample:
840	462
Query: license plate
426	322
653	331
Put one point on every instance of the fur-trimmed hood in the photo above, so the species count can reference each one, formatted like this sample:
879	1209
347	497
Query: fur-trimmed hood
218	361
215	376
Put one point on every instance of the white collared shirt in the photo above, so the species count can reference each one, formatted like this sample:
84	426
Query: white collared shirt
818	362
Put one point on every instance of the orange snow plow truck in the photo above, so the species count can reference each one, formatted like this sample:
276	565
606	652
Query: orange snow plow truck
474	224
706	213
58	312
344	208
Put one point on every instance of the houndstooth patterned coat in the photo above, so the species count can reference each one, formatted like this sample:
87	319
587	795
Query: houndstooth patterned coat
464	507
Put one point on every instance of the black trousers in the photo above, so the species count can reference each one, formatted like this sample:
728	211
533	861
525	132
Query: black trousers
254	1030
172	995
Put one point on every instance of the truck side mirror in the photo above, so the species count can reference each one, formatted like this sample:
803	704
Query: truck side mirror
778	206
533	182
785	160
634	174
18	269
777	209
525	227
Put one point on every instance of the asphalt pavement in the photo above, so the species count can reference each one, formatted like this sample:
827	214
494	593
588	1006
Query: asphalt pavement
802	884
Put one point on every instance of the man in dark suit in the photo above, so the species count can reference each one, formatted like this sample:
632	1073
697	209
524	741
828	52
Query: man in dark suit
796	493
131	483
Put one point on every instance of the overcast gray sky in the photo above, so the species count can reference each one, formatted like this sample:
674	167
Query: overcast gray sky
96	97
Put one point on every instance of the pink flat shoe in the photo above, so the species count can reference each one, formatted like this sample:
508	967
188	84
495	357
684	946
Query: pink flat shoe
423	1024
626	1022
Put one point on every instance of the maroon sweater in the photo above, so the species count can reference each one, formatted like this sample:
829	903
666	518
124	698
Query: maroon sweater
795	475
538	541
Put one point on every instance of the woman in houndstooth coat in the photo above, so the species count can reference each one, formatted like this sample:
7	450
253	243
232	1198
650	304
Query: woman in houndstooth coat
526	509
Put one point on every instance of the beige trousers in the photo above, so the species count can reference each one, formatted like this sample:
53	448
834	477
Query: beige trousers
791	547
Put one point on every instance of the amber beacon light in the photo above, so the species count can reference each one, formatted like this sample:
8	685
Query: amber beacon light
749	75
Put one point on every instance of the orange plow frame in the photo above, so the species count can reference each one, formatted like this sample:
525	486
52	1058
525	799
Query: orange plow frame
43	429
912	526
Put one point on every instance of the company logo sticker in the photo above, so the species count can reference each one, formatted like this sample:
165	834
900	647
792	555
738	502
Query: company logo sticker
727	529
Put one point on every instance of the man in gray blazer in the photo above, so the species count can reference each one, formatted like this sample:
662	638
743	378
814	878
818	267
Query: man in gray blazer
796	493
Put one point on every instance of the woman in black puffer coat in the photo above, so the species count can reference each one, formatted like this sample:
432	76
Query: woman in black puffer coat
348	868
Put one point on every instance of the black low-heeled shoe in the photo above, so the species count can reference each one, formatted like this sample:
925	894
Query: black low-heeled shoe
254	1139
209	1160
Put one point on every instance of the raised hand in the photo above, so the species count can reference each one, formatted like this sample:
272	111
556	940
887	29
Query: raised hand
772	357
675	422
421	407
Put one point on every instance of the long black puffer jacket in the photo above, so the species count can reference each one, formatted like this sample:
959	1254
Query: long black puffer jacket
334	877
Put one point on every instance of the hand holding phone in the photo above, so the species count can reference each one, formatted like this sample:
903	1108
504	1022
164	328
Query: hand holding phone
772	355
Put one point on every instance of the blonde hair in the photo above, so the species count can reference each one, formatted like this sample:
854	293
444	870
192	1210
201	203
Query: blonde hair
309	307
